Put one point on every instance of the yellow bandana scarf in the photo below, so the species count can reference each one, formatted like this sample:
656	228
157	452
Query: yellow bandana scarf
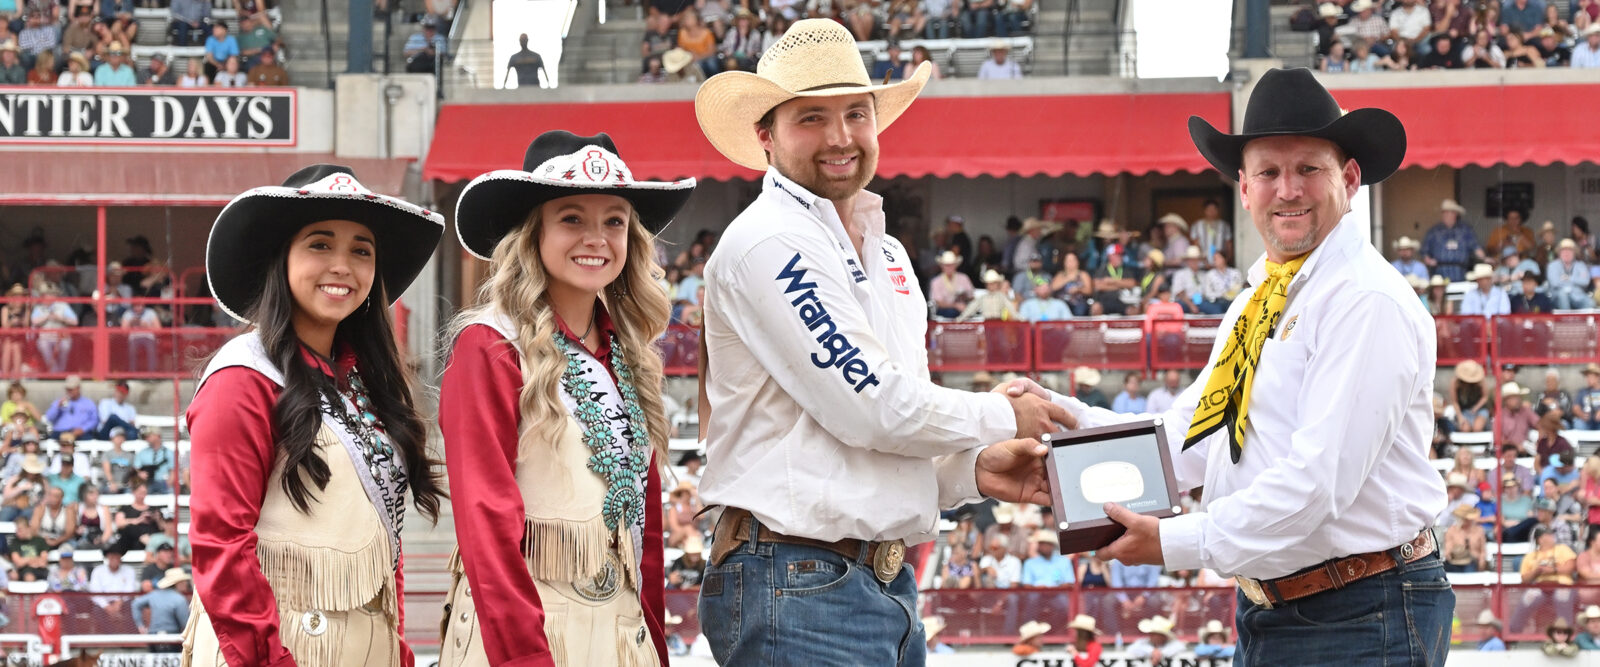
1226	401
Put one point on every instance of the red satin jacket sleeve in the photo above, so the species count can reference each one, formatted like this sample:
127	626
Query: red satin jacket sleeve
230	428
652	572
407	658
478	414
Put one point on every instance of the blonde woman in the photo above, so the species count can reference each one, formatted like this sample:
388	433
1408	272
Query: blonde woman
552	415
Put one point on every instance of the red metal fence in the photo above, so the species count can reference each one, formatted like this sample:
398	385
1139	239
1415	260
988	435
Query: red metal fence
1104	343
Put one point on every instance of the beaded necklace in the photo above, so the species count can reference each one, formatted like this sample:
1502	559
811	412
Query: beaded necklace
377	450
623	471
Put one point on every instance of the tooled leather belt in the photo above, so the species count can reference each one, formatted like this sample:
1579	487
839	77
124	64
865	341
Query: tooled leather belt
733	530
1334	574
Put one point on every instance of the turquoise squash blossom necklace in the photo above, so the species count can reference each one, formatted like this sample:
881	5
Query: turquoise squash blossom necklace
622	471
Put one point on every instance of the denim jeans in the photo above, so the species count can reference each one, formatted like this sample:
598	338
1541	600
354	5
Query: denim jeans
775	604
1400	617
975	22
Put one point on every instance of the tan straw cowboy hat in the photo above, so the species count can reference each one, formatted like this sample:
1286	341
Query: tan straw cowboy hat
1085	623
1033	629
816	58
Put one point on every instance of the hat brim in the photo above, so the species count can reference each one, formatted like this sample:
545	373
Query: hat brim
729	104
1374	138
495	203
255	224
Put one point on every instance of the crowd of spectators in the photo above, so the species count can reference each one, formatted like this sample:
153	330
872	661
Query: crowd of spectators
712	36
1376	35
1515	270
1045	271
94	43
36	329
53	500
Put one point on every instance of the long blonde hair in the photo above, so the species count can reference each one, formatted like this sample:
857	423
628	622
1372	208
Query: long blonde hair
517	287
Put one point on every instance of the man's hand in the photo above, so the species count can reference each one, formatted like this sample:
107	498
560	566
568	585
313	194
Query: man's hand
1022	386
1013	471
1141	545
1037	416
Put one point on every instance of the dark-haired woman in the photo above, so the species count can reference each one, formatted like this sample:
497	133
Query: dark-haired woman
304	432
552	416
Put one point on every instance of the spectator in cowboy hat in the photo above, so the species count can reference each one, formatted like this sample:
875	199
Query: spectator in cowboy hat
1488	299
1589	622
1159	643
951	290
1084	649
1407	263
686	570
168	607
1530	299
994	304
931	627
1516	418
1586	405
1214	642
1470	396
77	74
116	71
999	65
1586	55
1450	247
1031	639
1560	643
1494	628
1034	232
1464	541
11	70
1177	230
1086	383
1567	278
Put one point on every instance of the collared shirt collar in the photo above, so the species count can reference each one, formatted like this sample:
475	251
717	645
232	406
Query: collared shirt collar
866	203
1339	244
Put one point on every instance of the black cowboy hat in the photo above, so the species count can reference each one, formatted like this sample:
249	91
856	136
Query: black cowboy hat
255	224
559	164
1291	102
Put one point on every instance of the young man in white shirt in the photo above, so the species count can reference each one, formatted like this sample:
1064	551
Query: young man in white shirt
1310	426
829	448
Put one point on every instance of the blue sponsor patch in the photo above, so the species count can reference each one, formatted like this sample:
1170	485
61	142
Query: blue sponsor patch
837	350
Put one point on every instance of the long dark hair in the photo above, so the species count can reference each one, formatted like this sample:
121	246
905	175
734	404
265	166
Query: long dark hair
298	414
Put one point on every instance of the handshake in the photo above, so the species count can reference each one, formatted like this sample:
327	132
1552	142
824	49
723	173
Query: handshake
1013	470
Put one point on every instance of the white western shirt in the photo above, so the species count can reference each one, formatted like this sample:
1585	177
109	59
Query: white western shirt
1341	416
824	423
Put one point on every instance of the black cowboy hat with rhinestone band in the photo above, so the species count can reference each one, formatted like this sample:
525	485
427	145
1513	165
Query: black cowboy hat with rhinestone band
1290	102
559	164
252	227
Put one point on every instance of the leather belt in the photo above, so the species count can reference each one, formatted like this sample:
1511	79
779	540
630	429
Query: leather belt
733	530
1334	574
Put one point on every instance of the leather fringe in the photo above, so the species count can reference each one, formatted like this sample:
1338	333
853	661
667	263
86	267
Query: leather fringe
560	550
305	577
557	638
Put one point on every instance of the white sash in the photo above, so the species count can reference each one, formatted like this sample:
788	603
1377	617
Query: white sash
246	350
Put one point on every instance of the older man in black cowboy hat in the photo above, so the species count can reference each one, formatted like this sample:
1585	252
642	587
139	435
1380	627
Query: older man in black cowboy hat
1310	426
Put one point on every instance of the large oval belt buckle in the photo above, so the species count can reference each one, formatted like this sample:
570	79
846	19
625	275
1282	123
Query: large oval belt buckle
314	623
605	584
888	559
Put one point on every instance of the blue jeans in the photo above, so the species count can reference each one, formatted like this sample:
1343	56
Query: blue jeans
774	604
1400	617
975	22
1009	23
